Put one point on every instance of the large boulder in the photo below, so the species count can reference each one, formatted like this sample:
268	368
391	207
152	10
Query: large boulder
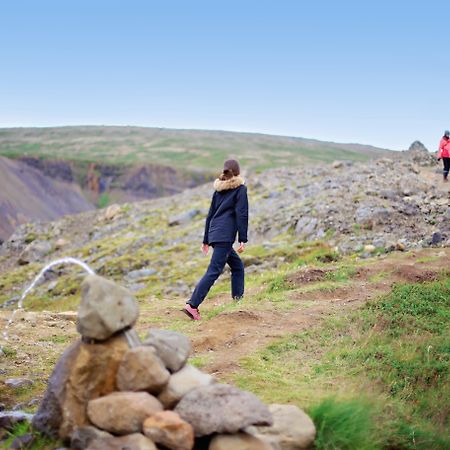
84	372
142	370
105	308
168	429
220	408
239	441
172	347
419	154
135	441
292	428
122	412
181	382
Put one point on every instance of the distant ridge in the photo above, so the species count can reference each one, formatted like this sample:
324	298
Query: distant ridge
189	149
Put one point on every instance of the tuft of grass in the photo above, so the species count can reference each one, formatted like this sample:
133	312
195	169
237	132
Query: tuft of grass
379	276
342	273
318	253
9	352
56	339
200	361
344	424
278	284
39	442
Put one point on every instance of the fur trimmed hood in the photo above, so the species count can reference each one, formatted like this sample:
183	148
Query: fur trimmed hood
231	183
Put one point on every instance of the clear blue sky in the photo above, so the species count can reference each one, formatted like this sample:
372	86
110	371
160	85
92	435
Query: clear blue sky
349	71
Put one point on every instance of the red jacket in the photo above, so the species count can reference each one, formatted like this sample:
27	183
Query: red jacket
444	148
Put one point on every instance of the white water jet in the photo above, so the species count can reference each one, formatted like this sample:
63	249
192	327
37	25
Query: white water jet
67	260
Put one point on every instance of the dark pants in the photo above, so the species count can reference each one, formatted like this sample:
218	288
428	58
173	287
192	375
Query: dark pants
223	254
446	162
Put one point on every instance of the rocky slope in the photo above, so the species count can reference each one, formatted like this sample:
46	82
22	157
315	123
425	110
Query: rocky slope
126	164
27	195
353	208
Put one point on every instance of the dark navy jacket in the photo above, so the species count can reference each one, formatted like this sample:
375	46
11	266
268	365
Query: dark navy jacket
227	216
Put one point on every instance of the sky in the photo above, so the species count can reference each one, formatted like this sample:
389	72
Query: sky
373	72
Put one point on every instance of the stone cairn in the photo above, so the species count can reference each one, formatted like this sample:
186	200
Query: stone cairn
111	391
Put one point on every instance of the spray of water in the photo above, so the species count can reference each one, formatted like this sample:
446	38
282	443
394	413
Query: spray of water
56	262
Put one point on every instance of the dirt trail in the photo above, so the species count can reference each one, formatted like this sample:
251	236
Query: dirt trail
229	336
37	339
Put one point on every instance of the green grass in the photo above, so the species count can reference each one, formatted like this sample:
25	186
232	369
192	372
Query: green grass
56	339
344	425
40	442
9	352
343	273
394	353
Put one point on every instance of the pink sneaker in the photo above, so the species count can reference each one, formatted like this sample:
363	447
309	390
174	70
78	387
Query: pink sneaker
191	312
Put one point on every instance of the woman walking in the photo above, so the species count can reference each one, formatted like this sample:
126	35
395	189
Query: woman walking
444	153
228	216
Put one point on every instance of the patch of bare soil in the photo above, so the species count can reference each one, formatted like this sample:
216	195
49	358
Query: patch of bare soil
307	276
414	274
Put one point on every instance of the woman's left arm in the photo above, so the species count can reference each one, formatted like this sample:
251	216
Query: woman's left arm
242	214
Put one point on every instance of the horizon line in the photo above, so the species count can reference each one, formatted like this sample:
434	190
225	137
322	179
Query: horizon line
200	130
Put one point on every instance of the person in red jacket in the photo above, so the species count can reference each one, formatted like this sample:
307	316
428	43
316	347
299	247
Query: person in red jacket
444	153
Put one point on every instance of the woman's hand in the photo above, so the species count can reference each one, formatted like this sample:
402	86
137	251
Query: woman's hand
241	247
204	249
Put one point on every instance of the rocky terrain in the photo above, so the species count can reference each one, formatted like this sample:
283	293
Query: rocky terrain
323	242
355	208
98	166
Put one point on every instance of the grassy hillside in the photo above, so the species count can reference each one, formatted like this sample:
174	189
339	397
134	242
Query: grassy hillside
179	148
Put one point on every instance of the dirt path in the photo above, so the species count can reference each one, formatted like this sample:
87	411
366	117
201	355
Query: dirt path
229	336
37	339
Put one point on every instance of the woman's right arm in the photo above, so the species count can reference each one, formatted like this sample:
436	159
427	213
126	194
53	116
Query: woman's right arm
208	220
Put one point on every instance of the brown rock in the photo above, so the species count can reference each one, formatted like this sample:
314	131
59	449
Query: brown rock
240	441
122	412
84	372
135	441
142	370
168	429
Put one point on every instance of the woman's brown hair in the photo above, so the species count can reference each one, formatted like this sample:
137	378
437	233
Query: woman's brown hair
230	169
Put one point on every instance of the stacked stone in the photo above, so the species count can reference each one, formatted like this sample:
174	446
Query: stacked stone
109	390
